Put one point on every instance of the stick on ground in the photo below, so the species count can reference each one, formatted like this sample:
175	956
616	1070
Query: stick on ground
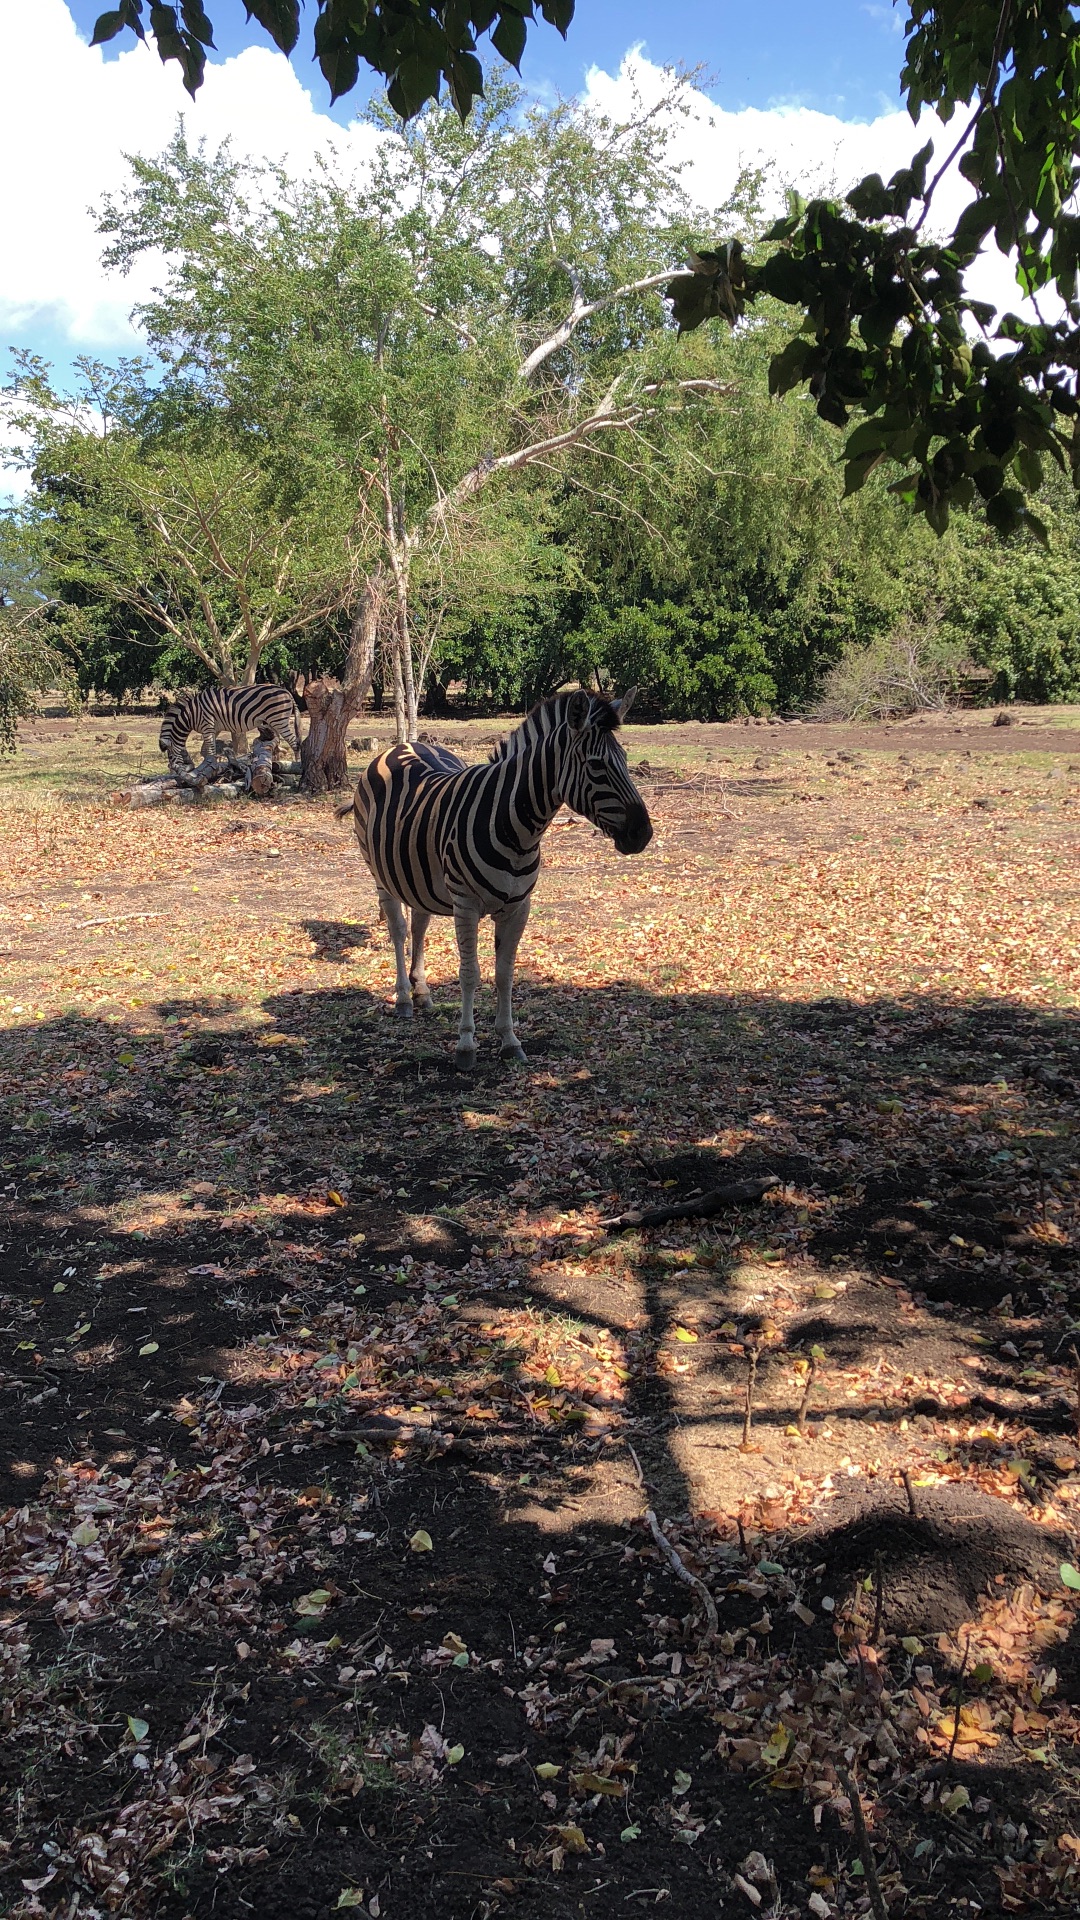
804	1403
700	1207
682	1570
959	1700
751	1377
869	1864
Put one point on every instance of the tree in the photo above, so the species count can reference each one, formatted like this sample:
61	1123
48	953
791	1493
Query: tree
414	44
890	337
29	665
156	537
889	332
486	303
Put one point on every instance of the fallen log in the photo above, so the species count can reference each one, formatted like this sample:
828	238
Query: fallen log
697	1208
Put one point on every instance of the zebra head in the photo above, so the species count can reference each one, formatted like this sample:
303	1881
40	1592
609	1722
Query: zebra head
169	726
593	777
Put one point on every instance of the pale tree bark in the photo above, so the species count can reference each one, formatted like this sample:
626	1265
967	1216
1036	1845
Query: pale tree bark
400	545
333	706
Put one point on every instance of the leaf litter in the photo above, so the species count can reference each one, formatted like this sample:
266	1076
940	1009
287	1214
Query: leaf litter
328	1574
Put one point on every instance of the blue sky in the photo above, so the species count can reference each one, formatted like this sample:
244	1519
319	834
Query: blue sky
839	56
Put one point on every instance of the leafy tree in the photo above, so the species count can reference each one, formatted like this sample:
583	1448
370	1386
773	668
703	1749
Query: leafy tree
486	303
414	44
175	546
29	664
889	333
890	336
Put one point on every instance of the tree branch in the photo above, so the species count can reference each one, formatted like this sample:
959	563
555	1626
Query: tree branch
584	309
605	417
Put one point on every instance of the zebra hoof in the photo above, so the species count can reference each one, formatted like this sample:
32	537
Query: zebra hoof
465	1059
423	1002
403	1010
515	1055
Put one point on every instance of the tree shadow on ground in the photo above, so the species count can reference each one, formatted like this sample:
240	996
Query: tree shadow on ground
209	1205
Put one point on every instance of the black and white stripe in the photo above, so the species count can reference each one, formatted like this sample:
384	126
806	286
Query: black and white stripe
266	708
443	838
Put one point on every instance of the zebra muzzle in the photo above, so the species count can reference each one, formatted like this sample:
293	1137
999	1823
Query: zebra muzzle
635	833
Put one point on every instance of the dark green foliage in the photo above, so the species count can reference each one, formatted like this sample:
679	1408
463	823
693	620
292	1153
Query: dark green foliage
888	329
415	44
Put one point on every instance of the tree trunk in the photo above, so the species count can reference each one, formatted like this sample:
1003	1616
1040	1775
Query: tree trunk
323	754
332	708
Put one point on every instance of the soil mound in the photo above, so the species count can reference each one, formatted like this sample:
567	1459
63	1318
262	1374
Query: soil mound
936	1565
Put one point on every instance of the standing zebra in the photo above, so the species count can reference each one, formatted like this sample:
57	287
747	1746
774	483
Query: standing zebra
265	708
444	838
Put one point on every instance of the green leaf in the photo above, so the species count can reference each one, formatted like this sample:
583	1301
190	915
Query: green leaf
871	199
1070	1576
856	471
415	82
509	37
340	69
197	21
786	367
108	25
787	279
137	1728
454	1755
281	18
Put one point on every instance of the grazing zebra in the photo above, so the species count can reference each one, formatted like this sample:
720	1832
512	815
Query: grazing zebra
266	708
444	838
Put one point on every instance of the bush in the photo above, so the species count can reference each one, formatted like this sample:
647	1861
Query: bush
912	669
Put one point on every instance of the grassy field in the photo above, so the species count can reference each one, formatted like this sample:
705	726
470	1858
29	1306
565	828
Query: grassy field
333	1416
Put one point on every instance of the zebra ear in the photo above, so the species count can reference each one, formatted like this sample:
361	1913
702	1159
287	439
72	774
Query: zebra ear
577	710
623	706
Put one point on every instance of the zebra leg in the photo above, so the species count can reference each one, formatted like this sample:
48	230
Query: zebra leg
466	922
509	927
394	915
421	992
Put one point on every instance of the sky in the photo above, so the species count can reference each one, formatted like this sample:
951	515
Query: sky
811	85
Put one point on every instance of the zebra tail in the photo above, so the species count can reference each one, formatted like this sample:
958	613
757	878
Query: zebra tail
340	812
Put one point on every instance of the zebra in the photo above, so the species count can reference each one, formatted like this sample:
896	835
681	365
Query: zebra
444	838
266	708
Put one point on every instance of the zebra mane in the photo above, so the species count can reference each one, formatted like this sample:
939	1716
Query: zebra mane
547	715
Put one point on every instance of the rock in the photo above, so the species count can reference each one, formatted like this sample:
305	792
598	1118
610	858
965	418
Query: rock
225	790
985	804
121	740
1003	719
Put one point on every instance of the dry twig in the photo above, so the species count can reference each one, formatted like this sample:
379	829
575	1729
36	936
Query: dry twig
751	1377
699	1207
683	1572
869	1864
804	1403
959	1701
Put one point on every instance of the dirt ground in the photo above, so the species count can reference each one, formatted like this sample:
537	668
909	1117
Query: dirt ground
332	1415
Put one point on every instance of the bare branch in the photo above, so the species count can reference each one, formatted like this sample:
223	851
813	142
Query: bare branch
584	309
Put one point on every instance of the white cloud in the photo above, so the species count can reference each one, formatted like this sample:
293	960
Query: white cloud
815	152
70	116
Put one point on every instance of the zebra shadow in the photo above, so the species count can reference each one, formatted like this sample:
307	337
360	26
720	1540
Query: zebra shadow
334	939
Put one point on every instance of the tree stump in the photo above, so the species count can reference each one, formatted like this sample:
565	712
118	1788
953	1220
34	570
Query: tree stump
323	754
